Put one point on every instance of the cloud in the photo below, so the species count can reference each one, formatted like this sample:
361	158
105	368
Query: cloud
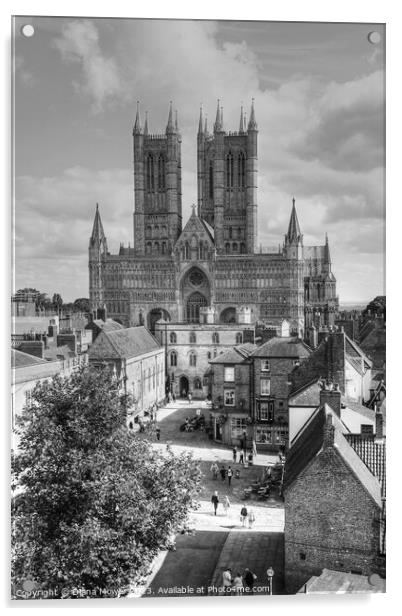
101	80
26	77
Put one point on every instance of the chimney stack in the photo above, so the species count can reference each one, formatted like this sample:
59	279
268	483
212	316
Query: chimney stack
379	426
330	394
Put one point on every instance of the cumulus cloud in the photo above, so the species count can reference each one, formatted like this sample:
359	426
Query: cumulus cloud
101	80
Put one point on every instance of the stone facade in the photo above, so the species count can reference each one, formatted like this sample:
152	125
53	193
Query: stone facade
173	272
189	349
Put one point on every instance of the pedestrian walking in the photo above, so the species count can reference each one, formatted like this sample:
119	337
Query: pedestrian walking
241	458
243	515
251	518
190	398
158	434
215	501
230	475
248	580
214	470
234	455
238	584
227	581
223	472
226	504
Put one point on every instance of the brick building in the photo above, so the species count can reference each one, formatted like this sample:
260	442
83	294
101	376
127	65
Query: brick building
137	360
334	507
250	387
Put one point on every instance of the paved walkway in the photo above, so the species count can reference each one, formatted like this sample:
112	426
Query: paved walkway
220	540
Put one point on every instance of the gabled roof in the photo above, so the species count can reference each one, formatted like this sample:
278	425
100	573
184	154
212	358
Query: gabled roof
373	454
196	226
283	347
19	359
310	444
235	355
307	395
123	343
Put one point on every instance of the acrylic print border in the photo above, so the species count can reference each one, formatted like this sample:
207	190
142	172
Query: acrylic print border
175	602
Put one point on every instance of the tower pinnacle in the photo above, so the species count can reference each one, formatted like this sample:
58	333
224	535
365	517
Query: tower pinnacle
294	233
137	124
169	127
242	127
252	124
200	124
98	235
218	124
146	124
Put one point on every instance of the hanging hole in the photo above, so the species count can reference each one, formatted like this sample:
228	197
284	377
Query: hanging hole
374	37
28	30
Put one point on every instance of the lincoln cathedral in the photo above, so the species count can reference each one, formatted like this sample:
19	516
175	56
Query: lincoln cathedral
210	270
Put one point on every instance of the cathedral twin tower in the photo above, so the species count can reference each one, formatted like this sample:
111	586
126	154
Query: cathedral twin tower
226	183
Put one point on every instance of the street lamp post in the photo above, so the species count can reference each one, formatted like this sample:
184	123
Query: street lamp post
270	575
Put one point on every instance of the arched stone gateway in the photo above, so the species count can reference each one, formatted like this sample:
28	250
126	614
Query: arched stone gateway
155	315
195	289
228	315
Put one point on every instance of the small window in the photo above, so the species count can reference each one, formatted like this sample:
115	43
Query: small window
296	362
229	397
173	358
265	365
229	374
239	338
197	383
302	556
215	338
209	355
193	338
265	385
192	359
173	338
366	429
264	411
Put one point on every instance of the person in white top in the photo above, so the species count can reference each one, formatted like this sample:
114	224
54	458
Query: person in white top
227	581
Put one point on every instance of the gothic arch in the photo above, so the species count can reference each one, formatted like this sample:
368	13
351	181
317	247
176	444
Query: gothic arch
195	293
228	315
155	315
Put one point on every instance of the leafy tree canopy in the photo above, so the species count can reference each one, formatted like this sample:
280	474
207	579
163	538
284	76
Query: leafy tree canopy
94	502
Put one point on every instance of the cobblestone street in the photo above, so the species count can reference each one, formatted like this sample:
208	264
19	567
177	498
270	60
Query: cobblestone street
219	541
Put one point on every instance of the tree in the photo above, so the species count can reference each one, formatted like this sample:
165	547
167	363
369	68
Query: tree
82	304
57	302
95	503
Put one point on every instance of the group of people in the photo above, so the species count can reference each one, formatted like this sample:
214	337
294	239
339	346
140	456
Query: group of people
240	583
223	472
247	516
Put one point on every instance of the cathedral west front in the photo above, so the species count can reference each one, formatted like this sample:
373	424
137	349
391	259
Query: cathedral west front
209	269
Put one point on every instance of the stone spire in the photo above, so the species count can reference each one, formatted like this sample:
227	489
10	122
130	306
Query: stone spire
170	127
222	118
176	122
218	124
137	124
294	233
200	124
242	127
98	235
252	124
146	124
206	126
327	254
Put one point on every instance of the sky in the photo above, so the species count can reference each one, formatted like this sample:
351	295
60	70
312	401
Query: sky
319	103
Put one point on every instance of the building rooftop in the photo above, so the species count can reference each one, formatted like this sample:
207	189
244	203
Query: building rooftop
310	443
123	343
283	347
236	355
340	582
23	360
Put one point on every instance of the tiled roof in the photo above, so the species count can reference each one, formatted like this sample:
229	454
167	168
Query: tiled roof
111	326
235	355
52	353
342	582
123	343
283	347
373	455
22	360
306	395
310	442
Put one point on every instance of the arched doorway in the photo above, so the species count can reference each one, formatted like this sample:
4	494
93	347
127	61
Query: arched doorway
183	385
228	315
155	315
194	303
